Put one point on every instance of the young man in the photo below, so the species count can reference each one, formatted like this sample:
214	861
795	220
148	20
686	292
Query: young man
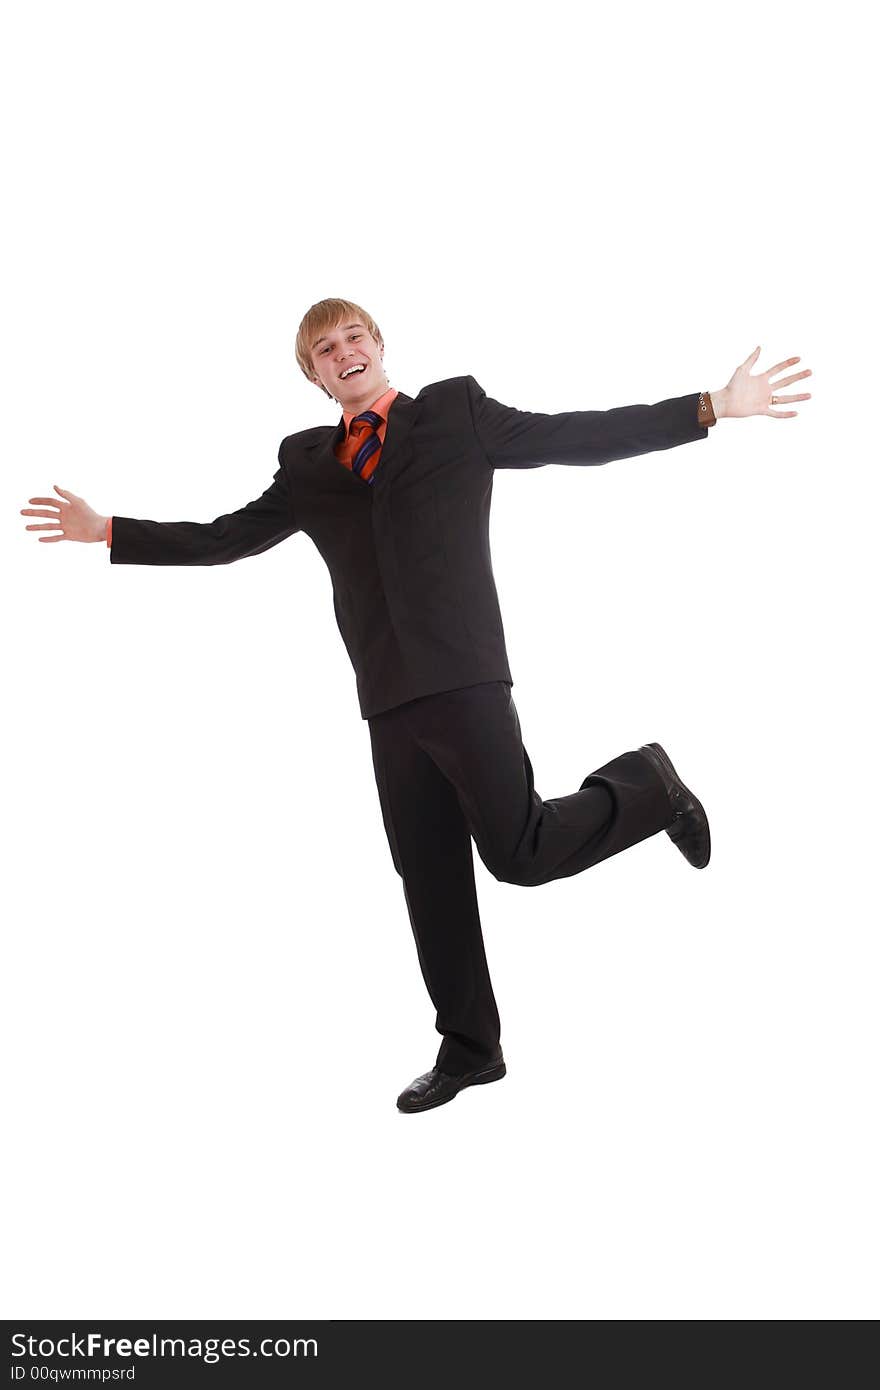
396	497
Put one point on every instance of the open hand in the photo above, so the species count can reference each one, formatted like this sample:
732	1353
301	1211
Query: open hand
73	517
753	395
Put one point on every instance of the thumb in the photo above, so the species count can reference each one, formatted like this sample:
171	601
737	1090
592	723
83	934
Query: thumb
63	491
749	360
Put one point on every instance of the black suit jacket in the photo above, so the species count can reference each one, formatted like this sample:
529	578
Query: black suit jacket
408	555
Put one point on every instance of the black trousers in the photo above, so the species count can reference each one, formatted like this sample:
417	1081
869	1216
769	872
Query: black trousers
452	766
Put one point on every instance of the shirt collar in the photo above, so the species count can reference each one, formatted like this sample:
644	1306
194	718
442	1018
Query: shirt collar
380	406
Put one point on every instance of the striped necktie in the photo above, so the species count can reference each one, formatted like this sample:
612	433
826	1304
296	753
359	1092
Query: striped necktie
364	428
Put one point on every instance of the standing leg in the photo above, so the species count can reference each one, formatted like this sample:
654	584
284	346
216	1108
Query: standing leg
431	849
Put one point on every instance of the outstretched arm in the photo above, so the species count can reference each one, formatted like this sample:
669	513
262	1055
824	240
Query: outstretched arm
248	531
233	536
529	439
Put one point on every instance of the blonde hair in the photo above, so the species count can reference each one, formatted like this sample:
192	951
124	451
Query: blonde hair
322	317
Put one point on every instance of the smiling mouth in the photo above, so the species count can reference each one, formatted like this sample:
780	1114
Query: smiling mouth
357	370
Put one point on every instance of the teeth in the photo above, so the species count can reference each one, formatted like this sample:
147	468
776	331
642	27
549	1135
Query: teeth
348	371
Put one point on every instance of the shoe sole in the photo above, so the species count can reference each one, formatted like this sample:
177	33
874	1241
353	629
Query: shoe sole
481	1078
698	805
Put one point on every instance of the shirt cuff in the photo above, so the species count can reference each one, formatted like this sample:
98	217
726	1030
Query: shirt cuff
108	531
705	413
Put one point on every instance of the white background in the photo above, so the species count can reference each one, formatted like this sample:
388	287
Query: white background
213	996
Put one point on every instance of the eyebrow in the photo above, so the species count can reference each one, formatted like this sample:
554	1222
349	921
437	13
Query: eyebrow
345	330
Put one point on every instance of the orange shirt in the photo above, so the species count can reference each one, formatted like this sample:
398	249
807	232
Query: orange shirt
346	450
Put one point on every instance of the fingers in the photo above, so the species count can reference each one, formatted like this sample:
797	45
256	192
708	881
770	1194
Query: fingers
54	524
795	376
789	362
781	414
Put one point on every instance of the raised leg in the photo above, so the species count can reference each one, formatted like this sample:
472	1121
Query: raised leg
473	736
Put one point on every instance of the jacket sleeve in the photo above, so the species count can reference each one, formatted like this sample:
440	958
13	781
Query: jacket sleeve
249	531
529	439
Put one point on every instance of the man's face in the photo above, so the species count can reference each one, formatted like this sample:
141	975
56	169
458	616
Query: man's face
347	345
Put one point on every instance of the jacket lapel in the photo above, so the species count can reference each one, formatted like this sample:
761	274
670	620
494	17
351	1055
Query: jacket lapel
400	421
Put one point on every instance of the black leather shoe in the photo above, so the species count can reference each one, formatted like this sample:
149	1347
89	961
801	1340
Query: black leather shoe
437	1087
690	829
